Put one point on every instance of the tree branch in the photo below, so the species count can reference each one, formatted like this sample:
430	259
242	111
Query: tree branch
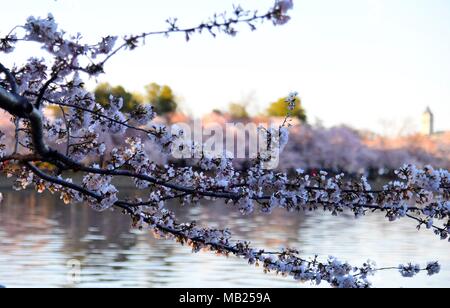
11	80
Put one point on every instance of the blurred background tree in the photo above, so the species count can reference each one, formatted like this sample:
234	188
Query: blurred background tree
280	108
238	111
130	100
162	98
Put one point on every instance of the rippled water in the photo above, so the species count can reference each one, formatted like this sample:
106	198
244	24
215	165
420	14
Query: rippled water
39	235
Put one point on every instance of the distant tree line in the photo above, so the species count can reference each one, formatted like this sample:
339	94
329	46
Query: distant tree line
164	101
161	97
238	111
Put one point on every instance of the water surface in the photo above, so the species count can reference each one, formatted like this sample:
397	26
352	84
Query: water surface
39	235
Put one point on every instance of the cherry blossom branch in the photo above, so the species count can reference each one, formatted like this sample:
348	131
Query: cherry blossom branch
20	158
44	88
335	272
394	211
43	31
210	26
291	198
97	114
10	78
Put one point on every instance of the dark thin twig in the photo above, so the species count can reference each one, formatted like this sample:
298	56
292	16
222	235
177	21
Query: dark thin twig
44	89
11	80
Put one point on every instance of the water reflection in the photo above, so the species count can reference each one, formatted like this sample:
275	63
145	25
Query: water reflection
39	235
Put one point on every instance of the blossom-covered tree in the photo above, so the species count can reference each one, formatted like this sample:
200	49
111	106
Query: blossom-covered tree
162	98
45	151
104	90
278	109
343	149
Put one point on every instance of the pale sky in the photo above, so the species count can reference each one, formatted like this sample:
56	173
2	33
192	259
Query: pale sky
365	63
